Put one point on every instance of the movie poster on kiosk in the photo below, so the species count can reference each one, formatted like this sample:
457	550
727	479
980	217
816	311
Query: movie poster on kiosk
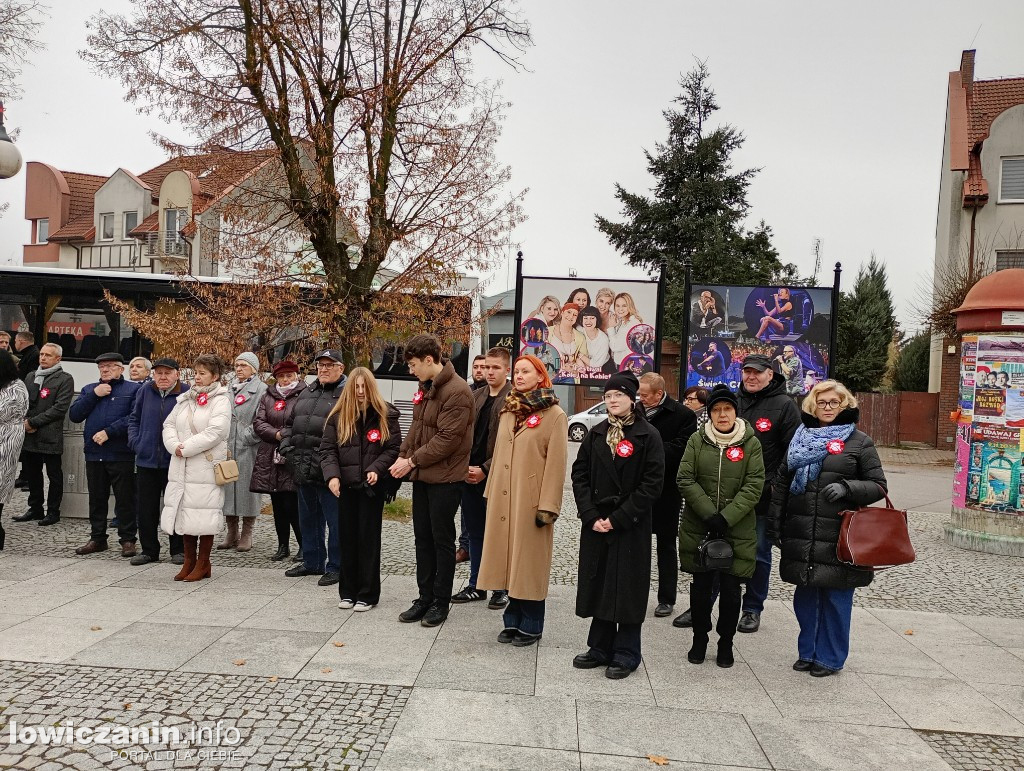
998	382
994	478
584	330
789	325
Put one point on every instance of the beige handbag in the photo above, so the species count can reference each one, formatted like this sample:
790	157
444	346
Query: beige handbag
225	472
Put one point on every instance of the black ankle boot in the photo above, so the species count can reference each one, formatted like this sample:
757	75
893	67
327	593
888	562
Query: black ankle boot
698	650
3	533
281	553
725	658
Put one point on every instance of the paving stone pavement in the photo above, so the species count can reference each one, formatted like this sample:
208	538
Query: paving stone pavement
977	752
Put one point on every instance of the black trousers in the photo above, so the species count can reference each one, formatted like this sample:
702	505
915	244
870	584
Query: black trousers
433	527
104	476
702	598
615	643
360	518
149	487
32	464
286	515
665	523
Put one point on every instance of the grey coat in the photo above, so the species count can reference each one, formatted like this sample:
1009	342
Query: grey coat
48	405
243	444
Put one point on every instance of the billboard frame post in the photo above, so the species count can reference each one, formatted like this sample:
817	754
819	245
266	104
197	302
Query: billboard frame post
685	325
834	331
659	334
517	321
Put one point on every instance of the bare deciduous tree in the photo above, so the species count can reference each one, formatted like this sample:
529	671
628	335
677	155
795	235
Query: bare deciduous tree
20	22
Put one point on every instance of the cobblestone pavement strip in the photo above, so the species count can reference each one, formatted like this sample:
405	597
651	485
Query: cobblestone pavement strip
282	723
977	752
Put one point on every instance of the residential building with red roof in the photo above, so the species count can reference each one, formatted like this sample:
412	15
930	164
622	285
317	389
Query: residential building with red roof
981	198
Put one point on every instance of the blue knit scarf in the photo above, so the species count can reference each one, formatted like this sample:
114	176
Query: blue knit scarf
809	448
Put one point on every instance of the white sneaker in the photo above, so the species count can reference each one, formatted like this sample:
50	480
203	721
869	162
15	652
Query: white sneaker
363	606
345	605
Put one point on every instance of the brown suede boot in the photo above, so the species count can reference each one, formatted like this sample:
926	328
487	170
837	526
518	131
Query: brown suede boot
231	539
190	557
202	569
245	539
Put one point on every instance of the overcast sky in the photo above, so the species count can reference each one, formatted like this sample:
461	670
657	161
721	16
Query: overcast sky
842	108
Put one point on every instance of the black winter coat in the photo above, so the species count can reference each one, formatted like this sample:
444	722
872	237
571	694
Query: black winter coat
300	438
350	462
809	525
615	567
28	361
46	413
775	418
267	476
675	423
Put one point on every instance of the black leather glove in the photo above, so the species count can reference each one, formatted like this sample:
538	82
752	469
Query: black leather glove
717	525
835	491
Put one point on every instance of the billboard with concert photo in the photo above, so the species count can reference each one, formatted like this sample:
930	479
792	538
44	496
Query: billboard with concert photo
790	325
586	329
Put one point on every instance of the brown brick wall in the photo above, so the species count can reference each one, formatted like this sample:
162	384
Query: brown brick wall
949	392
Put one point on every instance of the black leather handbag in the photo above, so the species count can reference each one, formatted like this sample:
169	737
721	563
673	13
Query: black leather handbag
714	553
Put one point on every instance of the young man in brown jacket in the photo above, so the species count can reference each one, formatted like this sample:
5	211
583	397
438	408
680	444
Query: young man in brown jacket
435	456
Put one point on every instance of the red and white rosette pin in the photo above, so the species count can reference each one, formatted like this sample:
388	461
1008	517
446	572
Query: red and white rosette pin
373	435
202	399
835	446
44	392
735	454
279	404
624	448
533	421
763	424
417	397
240	399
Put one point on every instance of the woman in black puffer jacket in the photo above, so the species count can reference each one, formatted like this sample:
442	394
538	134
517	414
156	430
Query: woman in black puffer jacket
361	441
830	467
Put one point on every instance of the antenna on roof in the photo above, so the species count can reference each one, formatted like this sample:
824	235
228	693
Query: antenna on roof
817	260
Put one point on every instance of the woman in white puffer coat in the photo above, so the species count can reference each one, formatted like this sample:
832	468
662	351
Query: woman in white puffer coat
195	434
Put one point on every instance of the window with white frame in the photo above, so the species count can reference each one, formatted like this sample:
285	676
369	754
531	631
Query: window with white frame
106	227
1011	180
131	221
42	230
1010	259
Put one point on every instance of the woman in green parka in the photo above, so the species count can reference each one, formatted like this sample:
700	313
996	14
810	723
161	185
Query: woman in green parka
721	478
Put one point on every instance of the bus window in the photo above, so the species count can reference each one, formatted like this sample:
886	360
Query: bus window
86	327
17	318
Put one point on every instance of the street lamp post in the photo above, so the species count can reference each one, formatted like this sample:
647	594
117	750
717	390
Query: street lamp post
10	156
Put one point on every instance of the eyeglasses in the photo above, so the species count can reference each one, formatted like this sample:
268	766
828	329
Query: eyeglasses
831	404
690	399
327	364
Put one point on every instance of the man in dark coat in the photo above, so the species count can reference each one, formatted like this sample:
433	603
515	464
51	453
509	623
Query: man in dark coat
300	446
28	354
153	403
50	391
618	476
109	462
675	423
487	404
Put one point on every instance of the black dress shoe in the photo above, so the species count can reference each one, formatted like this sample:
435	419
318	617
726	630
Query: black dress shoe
507	635
177	559
817	670
522	639
329	579
28	516
300	570
800	665
749	622
415	613
141	559
663	609
683	620
49	519
435	615
280	554
586	661
617	672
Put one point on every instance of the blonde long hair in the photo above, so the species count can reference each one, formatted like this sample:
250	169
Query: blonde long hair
630	306
348	410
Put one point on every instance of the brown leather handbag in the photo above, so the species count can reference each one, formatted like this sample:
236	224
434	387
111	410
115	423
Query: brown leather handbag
875	537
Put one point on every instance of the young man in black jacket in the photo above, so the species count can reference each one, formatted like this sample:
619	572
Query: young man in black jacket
675	423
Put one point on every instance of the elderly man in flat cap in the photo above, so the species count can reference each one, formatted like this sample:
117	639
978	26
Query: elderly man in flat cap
109	463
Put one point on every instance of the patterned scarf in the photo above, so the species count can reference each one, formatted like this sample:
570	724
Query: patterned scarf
617	429
193	393
522	405
809	448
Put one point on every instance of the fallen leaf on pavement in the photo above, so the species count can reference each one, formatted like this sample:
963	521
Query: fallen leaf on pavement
339	645
658	760
95	628
273	678
127	705
325	670
239	662
908	632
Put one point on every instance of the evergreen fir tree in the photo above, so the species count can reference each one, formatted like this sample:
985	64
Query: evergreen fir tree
867	324
696	208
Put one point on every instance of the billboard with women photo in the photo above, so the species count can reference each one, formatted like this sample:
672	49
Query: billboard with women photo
586	329
790	325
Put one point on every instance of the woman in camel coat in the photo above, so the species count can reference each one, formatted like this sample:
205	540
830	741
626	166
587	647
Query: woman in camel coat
524	498
196	433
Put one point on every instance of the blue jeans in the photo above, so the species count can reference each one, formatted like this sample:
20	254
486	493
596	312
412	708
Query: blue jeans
757	584
474	517
824	616
318	512
525	615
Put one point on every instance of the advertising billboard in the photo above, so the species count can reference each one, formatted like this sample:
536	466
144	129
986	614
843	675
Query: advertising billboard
584	330
790	325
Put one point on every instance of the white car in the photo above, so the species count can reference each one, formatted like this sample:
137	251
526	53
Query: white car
581	423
